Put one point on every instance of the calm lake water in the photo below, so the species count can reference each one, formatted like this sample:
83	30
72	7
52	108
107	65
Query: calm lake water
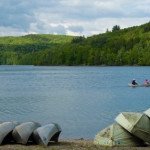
83	100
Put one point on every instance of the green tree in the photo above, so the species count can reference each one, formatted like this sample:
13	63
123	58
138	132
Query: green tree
115	28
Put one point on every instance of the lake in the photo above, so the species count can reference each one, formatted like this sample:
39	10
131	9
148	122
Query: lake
83	100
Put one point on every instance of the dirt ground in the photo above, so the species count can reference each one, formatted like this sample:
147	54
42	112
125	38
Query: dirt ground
68	145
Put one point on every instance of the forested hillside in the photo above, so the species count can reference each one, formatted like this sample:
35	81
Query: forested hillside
130	46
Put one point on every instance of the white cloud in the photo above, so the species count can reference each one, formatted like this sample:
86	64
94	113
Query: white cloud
76	17
10	31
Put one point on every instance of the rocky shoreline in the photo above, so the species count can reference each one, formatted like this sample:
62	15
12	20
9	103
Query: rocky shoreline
76	144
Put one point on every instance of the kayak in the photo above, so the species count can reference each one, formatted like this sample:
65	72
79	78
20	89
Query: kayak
138	85
132	85
146	85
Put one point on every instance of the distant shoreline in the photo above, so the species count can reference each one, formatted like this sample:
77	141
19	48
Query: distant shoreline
79	65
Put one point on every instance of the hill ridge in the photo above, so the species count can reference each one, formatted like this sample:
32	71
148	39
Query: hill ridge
129	46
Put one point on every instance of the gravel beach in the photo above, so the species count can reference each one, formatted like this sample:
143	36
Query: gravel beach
69	145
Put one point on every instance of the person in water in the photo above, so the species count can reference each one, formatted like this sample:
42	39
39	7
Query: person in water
146	82
134	82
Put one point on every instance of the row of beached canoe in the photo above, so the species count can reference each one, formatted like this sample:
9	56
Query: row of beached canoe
24	133
130	129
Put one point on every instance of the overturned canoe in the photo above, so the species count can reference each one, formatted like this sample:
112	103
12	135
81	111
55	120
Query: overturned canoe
136	123
44	134
115	135
6	129
23	132
147	112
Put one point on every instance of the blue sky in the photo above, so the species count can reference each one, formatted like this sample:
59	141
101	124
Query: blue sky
70	17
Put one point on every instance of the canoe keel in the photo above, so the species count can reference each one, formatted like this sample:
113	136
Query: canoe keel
23	132
43	135
137	124
115	135
6	129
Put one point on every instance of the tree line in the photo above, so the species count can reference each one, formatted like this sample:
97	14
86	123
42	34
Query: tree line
130	46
